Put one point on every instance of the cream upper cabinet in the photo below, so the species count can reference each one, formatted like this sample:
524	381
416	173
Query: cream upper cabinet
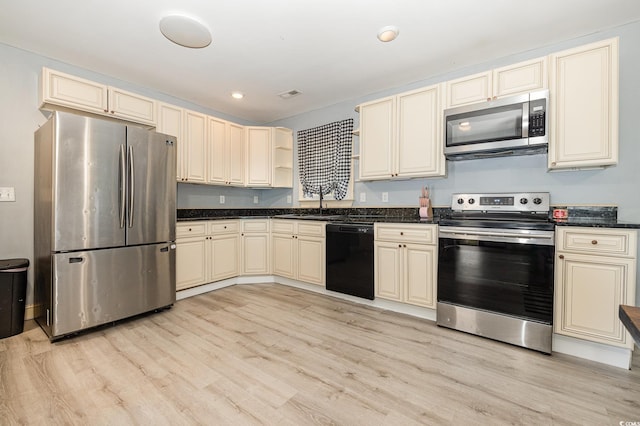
60	89
405	263
298	250
132	107
513	79
401	136
170	123
595	271
226	152
282	158
584	106
66	90
195	147
255	250
259	153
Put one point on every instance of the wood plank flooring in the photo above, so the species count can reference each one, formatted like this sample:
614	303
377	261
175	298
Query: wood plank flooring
272	354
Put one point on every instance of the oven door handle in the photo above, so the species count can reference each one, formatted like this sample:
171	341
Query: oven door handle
543	238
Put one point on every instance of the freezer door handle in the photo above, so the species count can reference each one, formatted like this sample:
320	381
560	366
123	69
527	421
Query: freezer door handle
123	180
76	259
132	184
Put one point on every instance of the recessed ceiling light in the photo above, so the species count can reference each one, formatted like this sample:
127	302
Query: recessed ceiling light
185	31
388	33
237	95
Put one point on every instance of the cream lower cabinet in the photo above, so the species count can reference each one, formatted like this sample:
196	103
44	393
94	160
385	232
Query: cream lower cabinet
406	263
206	251
401	136
191	254
255	250
583	123
298	250
595	273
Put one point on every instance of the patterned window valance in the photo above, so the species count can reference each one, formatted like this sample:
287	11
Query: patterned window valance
324	158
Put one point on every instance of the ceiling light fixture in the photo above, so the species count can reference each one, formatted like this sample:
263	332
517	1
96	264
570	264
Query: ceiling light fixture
237	95
185	31
388	33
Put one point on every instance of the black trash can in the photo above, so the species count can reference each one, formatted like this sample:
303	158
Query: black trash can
13	292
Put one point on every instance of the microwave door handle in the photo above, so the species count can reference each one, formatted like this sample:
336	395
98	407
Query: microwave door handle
525	120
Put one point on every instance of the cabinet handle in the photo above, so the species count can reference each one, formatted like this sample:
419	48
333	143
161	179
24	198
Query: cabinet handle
594	242
561	256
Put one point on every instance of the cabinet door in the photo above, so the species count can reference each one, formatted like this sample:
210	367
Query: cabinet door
284	255
236	149
469	89
195	141
73	92
519	78
420	275
218	155
224	256
377	127
255	254
191	262
130	106
419	141
388	270
588	293
311	260
258	156
584	106
170	123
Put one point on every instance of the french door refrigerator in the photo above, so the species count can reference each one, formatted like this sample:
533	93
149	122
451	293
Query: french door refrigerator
105	212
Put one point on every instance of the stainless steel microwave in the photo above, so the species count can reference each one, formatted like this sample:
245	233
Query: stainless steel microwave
517	125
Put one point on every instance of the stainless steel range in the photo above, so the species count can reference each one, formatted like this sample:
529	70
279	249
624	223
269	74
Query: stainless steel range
495	268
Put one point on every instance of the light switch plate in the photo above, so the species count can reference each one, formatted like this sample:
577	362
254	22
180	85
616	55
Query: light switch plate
288	199
255	199
363	197
385	197
7	194
222	199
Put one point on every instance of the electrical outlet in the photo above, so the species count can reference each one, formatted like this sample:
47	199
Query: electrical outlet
255	199
363	197
288	199
385	197
7	194
222	199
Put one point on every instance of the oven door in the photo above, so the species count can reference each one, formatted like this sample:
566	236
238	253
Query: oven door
507	272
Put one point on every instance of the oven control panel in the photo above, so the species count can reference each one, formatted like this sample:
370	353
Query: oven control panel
508	202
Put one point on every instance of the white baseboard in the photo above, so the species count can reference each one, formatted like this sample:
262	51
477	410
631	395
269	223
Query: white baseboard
605	354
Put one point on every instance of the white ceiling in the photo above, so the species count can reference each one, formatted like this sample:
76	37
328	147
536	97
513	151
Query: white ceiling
327	49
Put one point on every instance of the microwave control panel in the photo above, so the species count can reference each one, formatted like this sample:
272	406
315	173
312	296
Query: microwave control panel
537	117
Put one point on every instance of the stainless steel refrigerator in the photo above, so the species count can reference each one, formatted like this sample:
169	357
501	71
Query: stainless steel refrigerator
105	212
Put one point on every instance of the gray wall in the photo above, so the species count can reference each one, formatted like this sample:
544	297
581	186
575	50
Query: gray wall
20	117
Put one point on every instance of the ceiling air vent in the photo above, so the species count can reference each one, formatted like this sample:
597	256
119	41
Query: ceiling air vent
289	94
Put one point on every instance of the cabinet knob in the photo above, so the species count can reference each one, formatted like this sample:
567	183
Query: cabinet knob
488	99
553	163
401	233
594	242
189	229
561	256
225	227
399	245
112	112
106	110
404	245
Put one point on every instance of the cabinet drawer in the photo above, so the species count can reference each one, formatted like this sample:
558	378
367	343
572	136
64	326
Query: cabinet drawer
283	226
311	228
191	229
422	234
255	225
597	241
224	227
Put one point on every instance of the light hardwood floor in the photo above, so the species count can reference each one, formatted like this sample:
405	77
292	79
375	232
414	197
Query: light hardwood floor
273	354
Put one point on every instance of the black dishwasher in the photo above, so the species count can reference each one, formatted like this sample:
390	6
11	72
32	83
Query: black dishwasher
350	259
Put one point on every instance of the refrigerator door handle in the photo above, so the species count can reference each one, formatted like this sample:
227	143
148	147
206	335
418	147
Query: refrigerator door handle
132	185
123	180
